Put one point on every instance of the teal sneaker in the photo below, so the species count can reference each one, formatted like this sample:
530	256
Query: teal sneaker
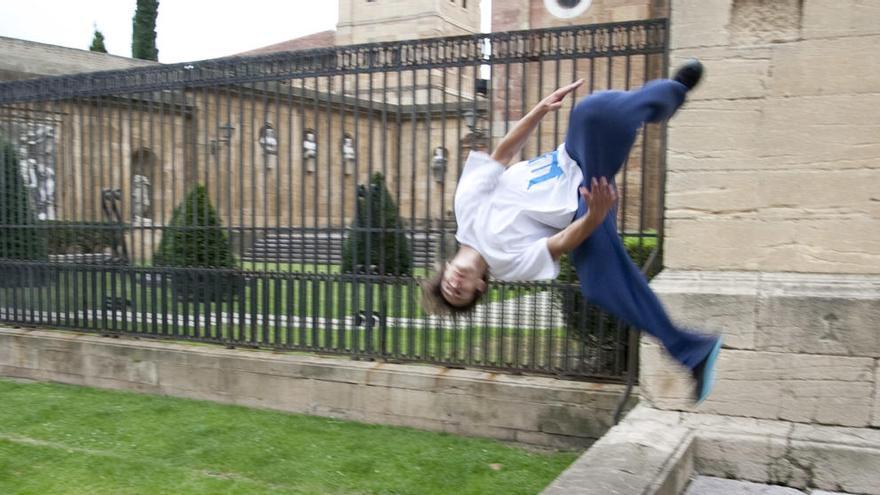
704	373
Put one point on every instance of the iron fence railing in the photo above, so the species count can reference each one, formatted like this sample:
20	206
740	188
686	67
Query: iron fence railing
294	200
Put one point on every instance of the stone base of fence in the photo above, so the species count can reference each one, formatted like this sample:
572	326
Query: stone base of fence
525	409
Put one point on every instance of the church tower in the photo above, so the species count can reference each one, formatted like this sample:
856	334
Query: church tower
369	21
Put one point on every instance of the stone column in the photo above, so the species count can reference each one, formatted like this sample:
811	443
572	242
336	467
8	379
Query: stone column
773	209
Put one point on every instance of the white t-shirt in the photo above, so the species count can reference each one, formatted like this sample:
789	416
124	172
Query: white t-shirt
507	215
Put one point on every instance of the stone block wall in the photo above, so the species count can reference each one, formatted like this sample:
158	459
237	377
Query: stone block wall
771	162
361	21
773	218
800	348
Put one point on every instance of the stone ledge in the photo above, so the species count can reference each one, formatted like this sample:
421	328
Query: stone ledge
656	452
634	457
527	409
798	347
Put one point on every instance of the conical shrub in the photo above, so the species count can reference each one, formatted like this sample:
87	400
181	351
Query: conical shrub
195	239
376	242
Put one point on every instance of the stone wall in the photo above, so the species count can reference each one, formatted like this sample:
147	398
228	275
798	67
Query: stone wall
772	163
801	348
773	222
531	410
362	21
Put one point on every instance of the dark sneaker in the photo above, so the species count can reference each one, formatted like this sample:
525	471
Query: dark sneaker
704	373
689	74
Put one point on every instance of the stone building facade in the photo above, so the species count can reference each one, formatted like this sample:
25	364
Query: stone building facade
370	21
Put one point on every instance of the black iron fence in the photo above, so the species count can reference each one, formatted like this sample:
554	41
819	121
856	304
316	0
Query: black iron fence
294	200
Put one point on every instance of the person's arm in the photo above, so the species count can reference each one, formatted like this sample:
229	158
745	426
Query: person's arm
514	141
599	201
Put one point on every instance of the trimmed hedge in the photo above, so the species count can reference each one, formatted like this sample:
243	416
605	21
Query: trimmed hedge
377	237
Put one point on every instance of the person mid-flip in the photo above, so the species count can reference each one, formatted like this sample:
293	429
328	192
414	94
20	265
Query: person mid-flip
515	221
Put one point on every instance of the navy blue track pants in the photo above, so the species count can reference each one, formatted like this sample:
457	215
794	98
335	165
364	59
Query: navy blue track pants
602	130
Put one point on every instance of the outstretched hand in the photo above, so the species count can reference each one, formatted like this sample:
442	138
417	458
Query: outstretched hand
554	101
600	197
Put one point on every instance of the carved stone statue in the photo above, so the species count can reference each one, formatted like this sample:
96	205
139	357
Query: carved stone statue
310	151
438	163
348	154
36	146
45	192
140	200
310	147
269	143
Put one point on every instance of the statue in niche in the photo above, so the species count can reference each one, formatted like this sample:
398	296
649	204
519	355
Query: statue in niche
348	154
438	163
140	200
45	192
310	150
143	163
269	143
36	147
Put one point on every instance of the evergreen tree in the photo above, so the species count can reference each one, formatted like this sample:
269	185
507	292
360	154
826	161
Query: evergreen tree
20	236
195	237
98	43
143	33
377	237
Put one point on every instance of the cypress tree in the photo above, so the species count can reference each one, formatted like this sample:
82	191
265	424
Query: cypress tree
98	43
377	236
143	33
194	236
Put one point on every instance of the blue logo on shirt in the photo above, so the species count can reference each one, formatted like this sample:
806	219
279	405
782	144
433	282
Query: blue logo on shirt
546	161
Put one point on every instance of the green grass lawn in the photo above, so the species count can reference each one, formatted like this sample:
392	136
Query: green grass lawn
71	440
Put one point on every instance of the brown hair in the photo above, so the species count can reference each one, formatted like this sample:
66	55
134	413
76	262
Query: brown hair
433	301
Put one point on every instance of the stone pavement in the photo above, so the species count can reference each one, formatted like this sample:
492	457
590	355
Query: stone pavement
707	485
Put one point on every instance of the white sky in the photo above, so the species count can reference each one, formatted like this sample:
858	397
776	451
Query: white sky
187	30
